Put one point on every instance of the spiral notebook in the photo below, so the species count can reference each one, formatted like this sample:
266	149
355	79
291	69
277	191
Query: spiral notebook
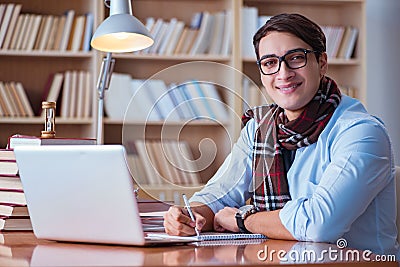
209	236
229	242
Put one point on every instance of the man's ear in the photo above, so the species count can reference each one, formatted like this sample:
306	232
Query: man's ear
323	64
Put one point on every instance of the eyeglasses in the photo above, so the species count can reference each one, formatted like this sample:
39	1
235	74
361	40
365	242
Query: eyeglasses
294	59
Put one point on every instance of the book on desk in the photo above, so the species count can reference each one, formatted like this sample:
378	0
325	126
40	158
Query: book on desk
23	140
13	209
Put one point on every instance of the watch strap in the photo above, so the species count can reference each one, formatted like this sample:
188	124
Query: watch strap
240	223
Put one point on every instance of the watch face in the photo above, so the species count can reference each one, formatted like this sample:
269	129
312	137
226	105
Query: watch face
246	210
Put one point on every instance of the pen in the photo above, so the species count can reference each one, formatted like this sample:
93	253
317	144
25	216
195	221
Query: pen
187	205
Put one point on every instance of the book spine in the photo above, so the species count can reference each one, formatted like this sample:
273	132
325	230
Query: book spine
70	14
6	21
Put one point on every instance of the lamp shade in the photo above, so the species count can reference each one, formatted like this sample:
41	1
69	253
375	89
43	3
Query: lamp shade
121	33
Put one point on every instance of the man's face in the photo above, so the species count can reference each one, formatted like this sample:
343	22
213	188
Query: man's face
291	89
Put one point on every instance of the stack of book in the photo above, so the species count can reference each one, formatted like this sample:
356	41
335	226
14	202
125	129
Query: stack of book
14	214
153	221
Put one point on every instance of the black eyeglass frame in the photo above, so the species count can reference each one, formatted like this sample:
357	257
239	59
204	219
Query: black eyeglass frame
282	58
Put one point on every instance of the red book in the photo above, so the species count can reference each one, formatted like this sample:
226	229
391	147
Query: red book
12	198
10	183
7	154
13	211
8	167
18	140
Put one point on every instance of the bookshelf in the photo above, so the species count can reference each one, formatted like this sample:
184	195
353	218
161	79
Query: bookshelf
210	141
33	67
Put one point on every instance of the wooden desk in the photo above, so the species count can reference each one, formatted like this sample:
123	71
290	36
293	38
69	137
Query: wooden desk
23	249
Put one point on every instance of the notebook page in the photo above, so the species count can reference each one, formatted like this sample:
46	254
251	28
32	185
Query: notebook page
229	242
207	236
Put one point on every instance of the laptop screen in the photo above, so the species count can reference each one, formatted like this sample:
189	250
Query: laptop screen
80	193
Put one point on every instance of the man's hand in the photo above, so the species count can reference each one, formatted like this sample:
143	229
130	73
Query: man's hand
225	220
177	222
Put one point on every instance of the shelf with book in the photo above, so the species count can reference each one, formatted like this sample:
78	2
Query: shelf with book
36	73
42	51
196	31
208	144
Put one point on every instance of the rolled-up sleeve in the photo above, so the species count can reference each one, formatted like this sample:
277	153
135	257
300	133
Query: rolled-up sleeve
230	184
358	168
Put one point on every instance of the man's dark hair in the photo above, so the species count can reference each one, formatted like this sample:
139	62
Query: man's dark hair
296	24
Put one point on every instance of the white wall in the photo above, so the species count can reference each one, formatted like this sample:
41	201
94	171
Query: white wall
383	65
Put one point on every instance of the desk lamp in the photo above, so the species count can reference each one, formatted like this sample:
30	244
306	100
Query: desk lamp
120	32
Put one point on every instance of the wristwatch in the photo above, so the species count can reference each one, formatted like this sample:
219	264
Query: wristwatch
242	214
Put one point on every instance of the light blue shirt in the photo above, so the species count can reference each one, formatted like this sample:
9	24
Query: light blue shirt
342	186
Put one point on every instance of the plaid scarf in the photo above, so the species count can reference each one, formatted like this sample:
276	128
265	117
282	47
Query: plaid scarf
269	184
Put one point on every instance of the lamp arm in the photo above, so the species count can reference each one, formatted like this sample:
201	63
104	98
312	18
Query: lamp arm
107	67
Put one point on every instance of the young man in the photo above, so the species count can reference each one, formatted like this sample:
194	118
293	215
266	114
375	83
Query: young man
315	165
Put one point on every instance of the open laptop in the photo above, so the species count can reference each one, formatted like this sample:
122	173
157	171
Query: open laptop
81	193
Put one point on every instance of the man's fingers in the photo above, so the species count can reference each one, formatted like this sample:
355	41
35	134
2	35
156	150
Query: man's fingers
176	222
200	221
173	227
